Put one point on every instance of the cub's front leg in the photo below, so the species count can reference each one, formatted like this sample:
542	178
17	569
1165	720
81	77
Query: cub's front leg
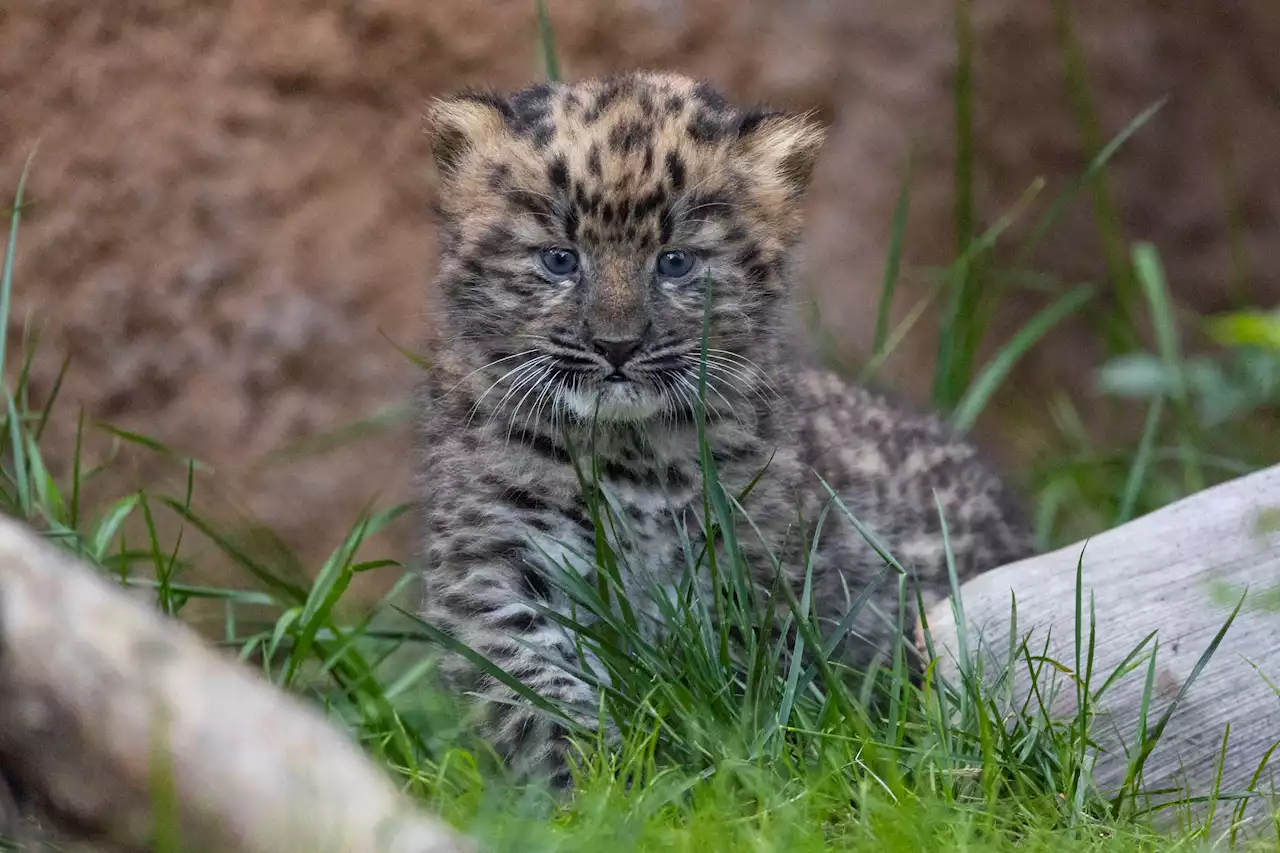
483	593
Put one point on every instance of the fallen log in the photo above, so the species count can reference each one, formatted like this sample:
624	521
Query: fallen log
109	711
1180	572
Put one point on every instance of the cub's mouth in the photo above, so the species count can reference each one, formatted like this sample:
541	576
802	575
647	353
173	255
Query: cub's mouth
616	398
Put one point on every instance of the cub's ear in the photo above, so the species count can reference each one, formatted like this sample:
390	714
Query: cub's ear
782	147
469	122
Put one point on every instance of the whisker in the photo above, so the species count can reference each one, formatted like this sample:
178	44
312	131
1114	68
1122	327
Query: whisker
729	355
714	389
680	401
548	392
696	396
515	413
727	371
543	387
736	377
485	367
525	370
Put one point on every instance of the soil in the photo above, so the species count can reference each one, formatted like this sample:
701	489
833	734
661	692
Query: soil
228	229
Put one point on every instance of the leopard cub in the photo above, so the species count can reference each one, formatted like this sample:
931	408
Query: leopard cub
581	227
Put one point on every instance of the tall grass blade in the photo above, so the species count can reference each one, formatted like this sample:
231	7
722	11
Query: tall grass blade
1141	461
1110	231
997	370
1150	738
893	262
955	342
6	274
1091	173
547	41
1155	288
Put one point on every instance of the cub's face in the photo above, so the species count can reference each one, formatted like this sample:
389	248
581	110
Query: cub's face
583	227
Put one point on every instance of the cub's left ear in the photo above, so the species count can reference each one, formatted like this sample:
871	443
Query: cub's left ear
781	146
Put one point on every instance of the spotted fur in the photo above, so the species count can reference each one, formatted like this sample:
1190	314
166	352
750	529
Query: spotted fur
621	170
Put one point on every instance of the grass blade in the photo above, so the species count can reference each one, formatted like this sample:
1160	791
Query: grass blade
984	386
893	262
1091	173
6	275
1151	738
1110	231
1141	461
1155	288
547	41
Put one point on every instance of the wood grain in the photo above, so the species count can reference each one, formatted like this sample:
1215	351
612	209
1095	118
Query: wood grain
95	685
1179	571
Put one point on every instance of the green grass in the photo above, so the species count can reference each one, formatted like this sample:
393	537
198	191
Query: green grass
738	737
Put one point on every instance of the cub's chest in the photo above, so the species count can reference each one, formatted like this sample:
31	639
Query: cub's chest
646	526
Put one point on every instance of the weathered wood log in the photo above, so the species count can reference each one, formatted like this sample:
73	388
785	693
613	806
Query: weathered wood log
1180	572
100	696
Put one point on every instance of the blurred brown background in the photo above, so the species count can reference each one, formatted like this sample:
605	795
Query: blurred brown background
228	224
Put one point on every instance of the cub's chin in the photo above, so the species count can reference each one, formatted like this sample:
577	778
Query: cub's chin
614	402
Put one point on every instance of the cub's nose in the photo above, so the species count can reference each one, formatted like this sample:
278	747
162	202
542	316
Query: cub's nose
617	352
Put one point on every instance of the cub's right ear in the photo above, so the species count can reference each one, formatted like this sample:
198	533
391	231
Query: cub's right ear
463	124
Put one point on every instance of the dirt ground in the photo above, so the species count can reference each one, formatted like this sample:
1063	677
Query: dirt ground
228	231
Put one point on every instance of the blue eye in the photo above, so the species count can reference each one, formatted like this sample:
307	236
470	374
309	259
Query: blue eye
558	261
675	263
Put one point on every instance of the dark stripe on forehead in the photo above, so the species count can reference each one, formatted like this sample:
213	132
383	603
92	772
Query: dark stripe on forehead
627	136
531	202
571	221
668	226
529	115
611	90
650	202
558	173
675	171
